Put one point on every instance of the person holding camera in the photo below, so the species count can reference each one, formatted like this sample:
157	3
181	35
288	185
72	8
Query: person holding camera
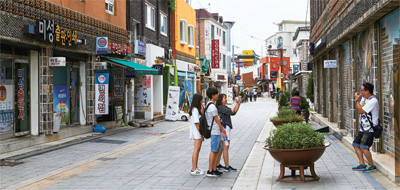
368	108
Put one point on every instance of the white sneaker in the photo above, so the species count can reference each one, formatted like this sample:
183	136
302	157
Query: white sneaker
196	172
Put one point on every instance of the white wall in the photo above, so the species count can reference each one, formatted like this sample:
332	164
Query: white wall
158	93
153	51
34	91
82	95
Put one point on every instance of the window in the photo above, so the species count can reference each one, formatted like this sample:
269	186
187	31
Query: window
183	31
150	17
212	32
294	52
280	42
280	27
224	61
191	36
163	24
223	38
110	6
189	2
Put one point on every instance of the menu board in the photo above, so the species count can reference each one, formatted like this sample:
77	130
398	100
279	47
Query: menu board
172	103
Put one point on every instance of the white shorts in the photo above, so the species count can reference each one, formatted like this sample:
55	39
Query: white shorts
228	133
194	133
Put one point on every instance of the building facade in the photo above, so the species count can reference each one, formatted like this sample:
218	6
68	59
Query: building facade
300	78
363	38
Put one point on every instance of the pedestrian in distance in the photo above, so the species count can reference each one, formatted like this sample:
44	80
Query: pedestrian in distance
368	108
225	114
217	132
295	102
250	95
195	112
255	95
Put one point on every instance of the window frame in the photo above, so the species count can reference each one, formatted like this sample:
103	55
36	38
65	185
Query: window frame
153	17
212	32
190	32
183	34
107	4
223	38
162	15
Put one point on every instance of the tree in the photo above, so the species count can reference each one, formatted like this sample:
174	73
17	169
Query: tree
310	88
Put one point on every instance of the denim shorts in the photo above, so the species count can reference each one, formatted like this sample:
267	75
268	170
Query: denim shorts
216	144
364	140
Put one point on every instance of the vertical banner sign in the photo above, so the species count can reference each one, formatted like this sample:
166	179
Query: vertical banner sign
143	93
215	54
172	103
118	83
61	101
101	102
230	96
21	100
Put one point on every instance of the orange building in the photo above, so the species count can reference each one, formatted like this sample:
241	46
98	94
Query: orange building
183	24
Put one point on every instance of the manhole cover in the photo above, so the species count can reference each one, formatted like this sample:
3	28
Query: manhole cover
110	141
154	134
9	163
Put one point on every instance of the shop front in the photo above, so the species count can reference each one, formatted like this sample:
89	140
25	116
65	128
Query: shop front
187	83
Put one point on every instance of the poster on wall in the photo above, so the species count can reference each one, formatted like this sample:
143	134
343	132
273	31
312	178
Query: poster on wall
118	83
6	105
230	96
172	103
60	101
143	93
101	94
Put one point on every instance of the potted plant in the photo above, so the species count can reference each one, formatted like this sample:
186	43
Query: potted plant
304	108
286	116
297	146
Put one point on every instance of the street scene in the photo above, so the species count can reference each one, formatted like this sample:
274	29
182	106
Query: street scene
199	94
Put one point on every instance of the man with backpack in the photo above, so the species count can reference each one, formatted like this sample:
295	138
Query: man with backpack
217	130
368	108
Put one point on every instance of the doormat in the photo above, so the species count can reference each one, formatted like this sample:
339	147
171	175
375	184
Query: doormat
9	163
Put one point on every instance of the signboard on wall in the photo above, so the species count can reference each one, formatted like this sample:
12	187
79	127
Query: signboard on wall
57	61
61	101
172	103
143	93
101	45
330	64
6	101
101	94
215	54
140	47
118	83
100	65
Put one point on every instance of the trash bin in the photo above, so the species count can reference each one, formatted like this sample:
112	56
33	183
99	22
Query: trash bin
56	122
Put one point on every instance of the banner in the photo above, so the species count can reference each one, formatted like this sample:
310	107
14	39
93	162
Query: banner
229	96
215	54
118	83
6	105
143	93
101	94
61	101
172	103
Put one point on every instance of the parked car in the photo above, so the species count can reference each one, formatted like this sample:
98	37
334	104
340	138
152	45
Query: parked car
183	116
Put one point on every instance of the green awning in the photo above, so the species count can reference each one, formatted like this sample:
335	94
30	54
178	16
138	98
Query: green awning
139	69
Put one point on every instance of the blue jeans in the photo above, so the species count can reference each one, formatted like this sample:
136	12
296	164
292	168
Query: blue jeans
216	144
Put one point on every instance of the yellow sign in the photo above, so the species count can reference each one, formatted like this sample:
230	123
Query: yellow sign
158	61
247	52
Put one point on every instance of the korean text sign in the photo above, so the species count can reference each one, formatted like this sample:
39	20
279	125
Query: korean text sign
215	54
101	102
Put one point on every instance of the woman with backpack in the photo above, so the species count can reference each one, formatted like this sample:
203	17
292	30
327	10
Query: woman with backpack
195	113
225	114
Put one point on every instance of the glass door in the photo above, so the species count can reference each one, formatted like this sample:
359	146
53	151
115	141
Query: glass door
7	94
74	95
61	93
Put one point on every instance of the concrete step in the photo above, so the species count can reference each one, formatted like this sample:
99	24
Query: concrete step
158	117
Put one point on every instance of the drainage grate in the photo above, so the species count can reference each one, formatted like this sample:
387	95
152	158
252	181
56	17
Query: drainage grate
109	141
9	163
106	159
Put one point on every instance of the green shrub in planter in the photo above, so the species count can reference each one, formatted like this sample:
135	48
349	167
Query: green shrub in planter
295	136
288	118
286	112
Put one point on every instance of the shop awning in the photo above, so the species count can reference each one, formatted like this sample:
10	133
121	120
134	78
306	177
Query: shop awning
139	69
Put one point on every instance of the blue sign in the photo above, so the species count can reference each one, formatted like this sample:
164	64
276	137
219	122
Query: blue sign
61	101
101	45
238	77
140	47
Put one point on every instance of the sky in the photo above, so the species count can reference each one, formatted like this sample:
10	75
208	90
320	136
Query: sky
254	18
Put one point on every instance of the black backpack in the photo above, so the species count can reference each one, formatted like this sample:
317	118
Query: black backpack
203	129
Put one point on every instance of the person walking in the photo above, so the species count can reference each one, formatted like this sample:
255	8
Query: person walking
250	93
295	102
225	114
217	130
368	108
195	112
255	94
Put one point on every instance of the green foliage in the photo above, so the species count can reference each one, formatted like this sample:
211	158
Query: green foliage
242	94
293	90
172	5
284	100
286	112
304	103
295	136
288	118
310	88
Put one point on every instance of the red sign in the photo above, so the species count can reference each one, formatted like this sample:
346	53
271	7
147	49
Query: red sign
215	54
276	63
119	49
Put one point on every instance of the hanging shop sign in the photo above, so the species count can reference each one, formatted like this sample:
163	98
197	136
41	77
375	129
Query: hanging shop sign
159	68
221	77
61	101
119	49
101	102
140	47
215	54
100	65
204	85
330	64
118	83
101	45
171	113
130	73
143	93
57	61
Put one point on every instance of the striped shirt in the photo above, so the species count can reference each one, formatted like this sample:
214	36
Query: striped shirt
295	101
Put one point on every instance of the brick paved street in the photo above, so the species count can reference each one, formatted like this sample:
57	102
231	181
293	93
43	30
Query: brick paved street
160	158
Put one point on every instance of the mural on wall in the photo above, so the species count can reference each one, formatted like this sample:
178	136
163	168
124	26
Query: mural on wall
364	56
390	29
